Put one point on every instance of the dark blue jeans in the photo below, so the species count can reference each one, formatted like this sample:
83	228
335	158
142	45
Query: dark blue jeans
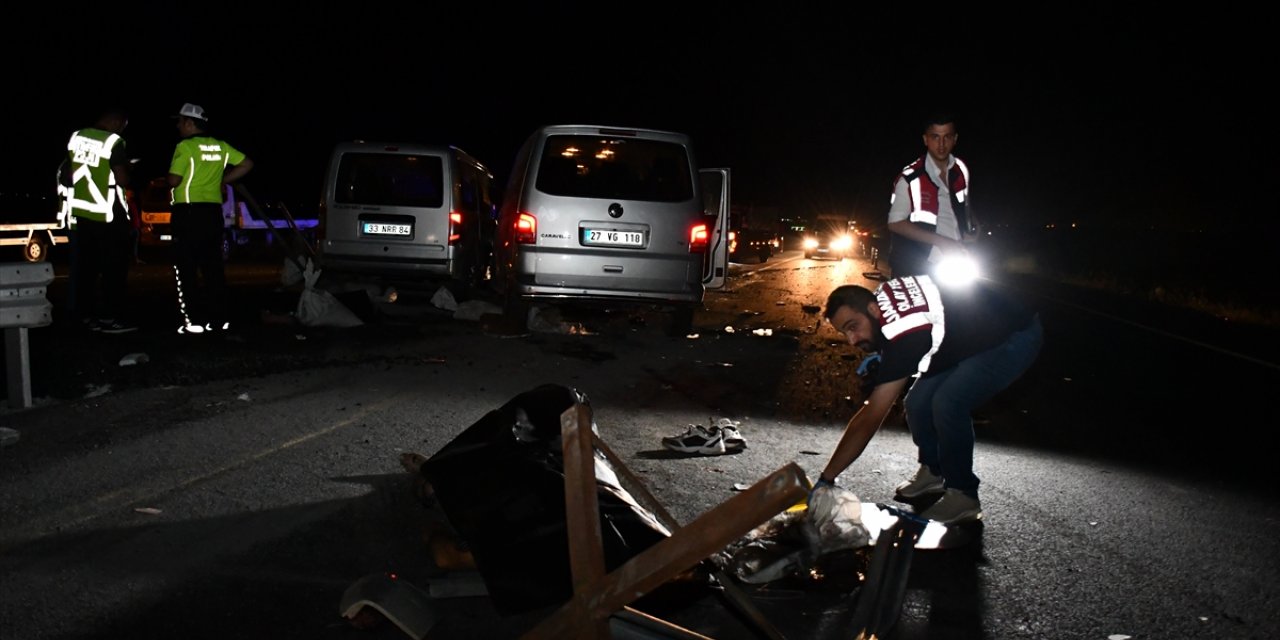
940	407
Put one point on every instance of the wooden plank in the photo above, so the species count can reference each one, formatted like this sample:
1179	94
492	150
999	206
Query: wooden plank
38	226
586	549
582	517
709	533
652	625
631	484
735	595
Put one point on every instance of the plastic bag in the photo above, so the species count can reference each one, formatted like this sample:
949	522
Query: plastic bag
290	273
443	299
319	308
834	520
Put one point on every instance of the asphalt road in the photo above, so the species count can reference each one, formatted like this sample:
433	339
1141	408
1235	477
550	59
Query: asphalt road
235	486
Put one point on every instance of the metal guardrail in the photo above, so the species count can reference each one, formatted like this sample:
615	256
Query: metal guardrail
23	305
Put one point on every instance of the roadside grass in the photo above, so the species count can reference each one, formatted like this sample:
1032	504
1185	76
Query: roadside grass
1185	296
1219	274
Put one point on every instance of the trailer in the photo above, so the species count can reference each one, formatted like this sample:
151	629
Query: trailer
35	238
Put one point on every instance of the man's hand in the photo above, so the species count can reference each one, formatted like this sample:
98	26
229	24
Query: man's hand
822	482
951	247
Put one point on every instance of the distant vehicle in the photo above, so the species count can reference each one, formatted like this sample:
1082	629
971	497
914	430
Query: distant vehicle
242	225
758	243
828	243
871	243
611	215
408	211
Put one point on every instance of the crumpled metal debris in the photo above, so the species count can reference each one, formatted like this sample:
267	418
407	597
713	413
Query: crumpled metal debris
794	541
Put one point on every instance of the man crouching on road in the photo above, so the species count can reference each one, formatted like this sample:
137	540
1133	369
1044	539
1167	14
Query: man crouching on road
964	343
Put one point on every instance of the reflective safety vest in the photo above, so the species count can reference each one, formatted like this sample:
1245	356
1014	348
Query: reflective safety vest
201	161
924	193
912	256
94	193
912	303
65	219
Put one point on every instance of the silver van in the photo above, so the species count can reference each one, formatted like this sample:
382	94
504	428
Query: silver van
407	211
611	215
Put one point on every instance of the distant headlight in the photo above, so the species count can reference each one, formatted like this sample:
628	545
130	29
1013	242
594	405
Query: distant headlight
811	243
842	243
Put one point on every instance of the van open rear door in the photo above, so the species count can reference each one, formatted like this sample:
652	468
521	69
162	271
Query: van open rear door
715	200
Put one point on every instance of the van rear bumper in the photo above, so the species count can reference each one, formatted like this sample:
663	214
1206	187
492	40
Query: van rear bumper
585	274
422	267
543	292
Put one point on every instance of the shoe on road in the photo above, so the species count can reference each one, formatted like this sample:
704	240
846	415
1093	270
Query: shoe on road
114	326
697	439
733	440
954	507
923	483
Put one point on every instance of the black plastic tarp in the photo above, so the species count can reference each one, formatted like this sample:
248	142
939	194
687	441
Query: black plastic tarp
501	485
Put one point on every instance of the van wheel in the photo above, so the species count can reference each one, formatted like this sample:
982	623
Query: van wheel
681	321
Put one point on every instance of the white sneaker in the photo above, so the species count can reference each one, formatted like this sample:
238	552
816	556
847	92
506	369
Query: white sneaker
697	439
733	440
923	483
954	507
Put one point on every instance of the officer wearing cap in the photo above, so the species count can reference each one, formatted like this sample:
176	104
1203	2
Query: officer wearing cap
202	165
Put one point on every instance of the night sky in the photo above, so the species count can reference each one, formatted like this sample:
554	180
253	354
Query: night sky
1101	116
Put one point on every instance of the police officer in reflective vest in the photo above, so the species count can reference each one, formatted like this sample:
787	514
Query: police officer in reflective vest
929	212
201	166
93	182
961	344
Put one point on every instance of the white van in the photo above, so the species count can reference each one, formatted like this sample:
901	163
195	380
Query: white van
611	215
407	211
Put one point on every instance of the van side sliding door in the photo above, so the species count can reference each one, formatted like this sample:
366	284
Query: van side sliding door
715	200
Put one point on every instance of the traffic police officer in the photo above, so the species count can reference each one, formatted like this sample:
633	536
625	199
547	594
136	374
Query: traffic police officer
201	166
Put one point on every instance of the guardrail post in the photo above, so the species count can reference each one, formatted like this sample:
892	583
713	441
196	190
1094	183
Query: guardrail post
22	305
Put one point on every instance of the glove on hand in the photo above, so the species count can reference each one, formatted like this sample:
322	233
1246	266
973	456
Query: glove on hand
822	482
869	364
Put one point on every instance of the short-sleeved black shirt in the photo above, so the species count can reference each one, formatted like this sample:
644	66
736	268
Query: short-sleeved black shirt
943	324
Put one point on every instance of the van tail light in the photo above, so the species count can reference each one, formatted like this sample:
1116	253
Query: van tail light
455	227
699	238
526	229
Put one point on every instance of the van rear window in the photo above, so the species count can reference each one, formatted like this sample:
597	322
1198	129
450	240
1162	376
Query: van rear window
393	180
584	166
